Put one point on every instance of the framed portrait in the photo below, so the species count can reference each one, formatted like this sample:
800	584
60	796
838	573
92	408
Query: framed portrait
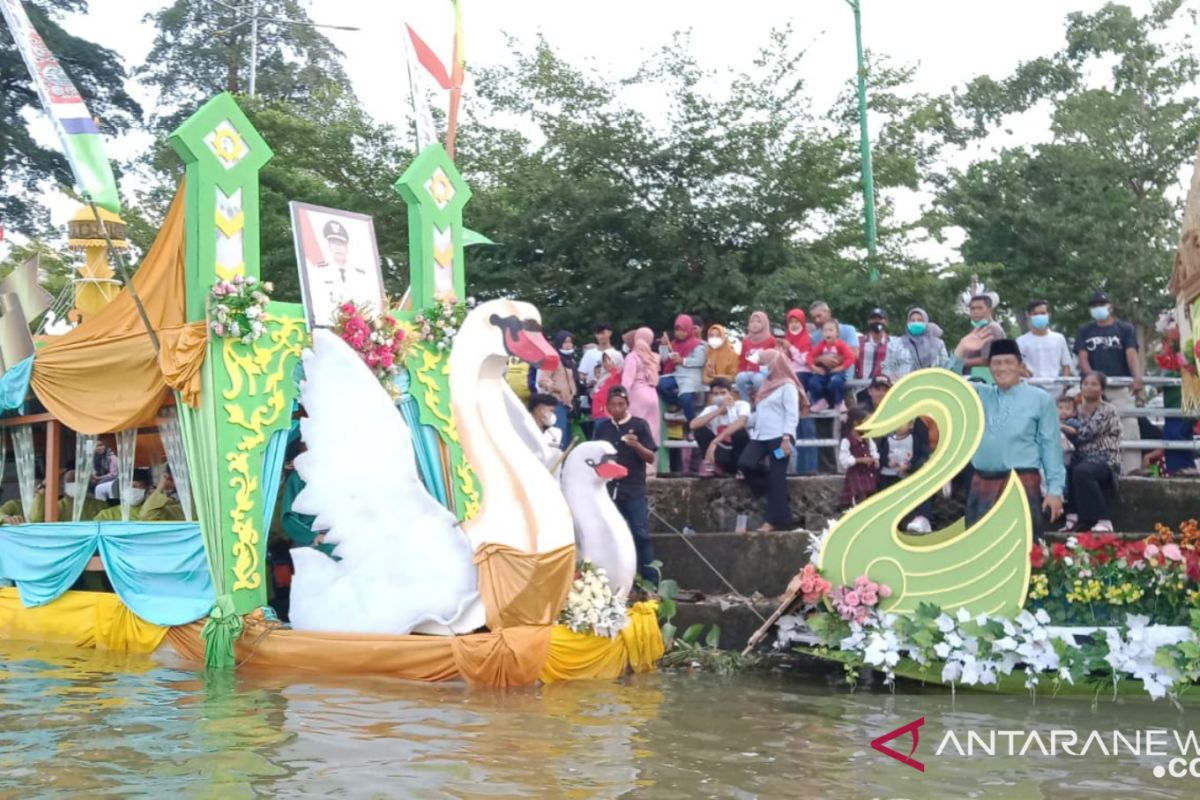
338	260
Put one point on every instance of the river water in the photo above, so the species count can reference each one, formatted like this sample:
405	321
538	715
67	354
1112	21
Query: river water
82	723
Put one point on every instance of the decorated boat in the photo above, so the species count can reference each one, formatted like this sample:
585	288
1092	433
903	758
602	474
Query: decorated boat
454	546
985	607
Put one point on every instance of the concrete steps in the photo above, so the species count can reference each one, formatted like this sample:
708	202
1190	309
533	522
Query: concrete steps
759	565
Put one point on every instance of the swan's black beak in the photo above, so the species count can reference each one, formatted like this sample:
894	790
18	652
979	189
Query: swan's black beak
523	339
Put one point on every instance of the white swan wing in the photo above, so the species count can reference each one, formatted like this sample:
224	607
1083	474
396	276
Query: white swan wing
403	558
527	429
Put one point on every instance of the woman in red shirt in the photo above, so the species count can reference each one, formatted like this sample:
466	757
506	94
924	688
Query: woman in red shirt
831	360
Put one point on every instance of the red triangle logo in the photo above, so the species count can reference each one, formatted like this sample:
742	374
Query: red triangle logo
913	728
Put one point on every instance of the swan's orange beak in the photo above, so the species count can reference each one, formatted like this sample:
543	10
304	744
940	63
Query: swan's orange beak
523	339
610	470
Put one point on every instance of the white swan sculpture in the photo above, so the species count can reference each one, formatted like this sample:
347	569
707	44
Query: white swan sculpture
601	534
405	565
403	559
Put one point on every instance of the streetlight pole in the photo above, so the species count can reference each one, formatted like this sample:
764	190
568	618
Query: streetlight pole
253	19
253	45
868	179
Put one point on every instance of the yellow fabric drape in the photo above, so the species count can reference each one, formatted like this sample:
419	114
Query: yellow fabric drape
520	588
104	376
84	619
512	657
578	656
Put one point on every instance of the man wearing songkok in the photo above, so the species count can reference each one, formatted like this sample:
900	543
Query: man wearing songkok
1021	432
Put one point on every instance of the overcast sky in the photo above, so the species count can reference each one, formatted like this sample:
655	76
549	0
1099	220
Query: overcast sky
948	40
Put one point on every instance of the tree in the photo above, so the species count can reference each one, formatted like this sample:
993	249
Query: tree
737	200
25	165
1096	206
203	48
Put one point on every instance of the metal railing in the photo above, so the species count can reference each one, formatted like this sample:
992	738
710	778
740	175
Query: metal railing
854	385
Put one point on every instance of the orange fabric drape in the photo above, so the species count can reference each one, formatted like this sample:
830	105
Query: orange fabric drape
181	357
520	588
104	376
512	657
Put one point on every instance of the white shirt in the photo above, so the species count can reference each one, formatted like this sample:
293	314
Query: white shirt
900	452
1045	355
592	357
846	460
736	411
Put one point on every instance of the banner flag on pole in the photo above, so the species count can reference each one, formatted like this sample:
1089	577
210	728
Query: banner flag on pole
73	124
429	59
426	130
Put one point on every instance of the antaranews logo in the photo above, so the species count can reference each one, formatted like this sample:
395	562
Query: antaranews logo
913	728
1179	751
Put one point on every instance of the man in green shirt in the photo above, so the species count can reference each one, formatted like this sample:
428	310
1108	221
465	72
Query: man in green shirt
160	505
1021	432
11	512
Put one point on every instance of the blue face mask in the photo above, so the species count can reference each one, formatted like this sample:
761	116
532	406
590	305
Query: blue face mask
1099	313
764	369
916	328
1040	321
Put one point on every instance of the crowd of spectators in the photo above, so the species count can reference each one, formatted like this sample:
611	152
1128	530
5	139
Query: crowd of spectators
745	405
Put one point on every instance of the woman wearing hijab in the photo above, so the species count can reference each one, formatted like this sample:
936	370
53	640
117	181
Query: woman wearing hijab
799	342
921	347
758	338
720	359
640	378
772	429
611	364
683	369
562	384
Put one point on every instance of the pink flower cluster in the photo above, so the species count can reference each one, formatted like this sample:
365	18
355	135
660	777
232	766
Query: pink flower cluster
812	586
1170	552
379	342
854	603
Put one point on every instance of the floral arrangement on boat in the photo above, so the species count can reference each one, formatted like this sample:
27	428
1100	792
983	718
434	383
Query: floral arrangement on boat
1170	354
592	608
1097	579
439	324
236	308
379	340
1103	614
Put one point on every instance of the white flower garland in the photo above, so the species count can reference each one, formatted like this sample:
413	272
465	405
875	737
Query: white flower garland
972	658
591	606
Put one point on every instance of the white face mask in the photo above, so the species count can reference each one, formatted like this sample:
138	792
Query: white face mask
715	341
549	418
69	489
136	496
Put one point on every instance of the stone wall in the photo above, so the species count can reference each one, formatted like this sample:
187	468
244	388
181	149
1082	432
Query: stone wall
712	505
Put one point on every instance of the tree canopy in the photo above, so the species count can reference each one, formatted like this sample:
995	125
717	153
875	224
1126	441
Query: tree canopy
1097	206
730	192
25	165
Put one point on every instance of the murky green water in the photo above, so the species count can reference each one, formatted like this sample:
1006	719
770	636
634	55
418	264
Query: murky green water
78	723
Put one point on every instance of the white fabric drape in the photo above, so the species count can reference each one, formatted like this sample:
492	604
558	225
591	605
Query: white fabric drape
172	438
126	455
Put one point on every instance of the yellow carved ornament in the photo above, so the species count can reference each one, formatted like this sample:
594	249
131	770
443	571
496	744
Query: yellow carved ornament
257	402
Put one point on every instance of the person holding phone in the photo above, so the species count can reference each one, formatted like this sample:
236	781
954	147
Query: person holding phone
636	448
764	462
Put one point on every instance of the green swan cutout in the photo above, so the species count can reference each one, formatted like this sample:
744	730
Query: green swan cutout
984	568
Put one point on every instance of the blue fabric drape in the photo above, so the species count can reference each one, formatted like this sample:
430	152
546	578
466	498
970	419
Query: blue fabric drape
425	443
158	569
272	472
14	385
